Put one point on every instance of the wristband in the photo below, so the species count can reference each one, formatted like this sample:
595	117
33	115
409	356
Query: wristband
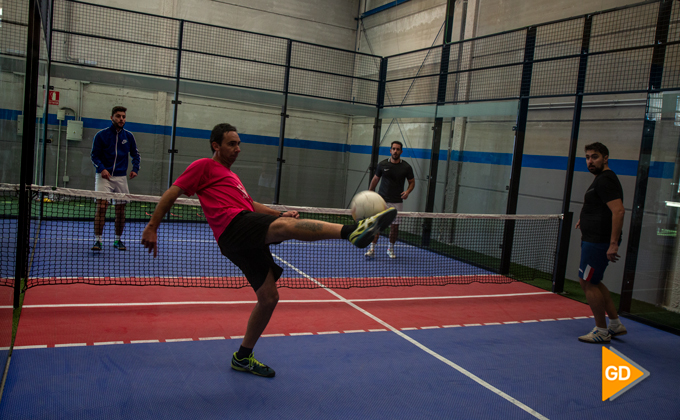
281	214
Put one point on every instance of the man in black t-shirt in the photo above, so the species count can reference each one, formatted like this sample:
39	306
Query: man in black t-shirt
601	222
393	172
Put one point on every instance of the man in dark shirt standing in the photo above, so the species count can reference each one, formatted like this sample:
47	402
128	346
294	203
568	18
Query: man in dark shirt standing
601	222
393	172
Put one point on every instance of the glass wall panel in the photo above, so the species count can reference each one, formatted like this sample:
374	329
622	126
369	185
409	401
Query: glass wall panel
257	125
317	155
656	294
359	159
480	156
13	38
412	126
546	152
86	99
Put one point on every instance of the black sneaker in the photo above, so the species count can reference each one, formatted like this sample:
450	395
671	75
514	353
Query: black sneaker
368	228
251	365
97	246
119	245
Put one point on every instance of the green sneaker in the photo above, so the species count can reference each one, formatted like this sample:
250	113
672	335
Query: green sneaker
363	235
97	246
250	364
119	245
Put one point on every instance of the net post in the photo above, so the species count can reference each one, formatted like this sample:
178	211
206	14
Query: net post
562	253
438	122
377	125
176	102
282	125
520	134
27	148
564	238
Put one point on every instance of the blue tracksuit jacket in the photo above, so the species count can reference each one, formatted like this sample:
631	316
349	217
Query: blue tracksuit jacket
110	151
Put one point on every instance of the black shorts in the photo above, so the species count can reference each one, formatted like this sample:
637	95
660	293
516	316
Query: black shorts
243	242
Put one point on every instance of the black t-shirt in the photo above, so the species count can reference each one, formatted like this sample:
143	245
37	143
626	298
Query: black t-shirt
392	177
596	217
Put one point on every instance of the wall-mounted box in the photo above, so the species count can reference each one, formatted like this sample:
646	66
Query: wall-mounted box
74	130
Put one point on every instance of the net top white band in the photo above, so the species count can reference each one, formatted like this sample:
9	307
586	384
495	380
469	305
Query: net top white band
195	202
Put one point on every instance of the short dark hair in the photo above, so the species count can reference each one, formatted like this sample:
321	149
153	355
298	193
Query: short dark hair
598	147
118	109
218	132
397	142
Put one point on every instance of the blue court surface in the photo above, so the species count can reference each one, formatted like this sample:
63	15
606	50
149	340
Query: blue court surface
518	371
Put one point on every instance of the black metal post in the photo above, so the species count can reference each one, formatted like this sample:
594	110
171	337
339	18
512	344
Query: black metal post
560	266
176	102
377	125
520	133
655	75
46	15
45	117
282	125
438	122
27	147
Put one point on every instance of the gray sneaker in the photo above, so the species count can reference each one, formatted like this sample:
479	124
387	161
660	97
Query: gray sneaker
595	336
617	330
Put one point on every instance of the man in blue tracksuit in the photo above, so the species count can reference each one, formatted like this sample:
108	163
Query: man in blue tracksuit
110	149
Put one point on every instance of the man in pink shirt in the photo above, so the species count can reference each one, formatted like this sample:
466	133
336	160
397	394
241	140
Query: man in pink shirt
244	229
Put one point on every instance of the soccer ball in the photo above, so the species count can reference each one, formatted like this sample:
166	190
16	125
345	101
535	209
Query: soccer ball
367	204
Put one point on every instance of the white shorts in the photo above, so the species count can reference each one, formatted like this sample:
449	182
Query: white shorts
399	207
116	184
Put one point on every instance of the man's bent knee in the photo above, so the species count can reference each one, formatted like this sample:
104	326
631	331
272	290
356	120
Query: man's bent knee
268	298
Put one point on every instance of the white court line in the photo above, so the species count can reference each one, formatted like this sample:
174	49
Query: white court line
252	302
426	349
71	345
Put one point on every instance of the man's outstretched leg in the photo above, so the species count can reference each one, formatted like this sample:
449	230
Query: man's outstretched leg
360	235
244	359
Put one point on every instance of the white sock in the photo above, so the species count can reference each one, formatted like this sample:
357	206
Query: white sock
98	238
372	246
614	322
391	247
603	330
117	238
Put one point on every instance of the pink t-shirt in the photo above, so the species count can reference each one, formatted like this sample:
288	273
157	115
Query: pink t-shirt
219	190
